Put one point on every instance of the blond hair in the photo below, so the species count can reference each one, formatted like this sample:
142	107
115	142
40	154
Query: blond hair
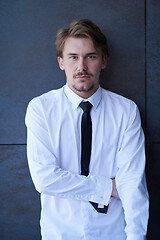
83	28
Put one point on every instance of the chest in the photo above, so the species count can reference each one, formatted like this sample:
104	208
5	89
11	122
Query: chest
65	136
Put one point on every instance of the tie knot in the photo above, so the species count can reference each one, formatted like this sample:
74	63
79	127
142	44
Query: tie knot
86	106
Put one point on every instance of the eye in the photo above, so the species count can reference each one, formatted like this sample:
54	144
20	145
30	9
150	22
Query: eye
73	57
91	57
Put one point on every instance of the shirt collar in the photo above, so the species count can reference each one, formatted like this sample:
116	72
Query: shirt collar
76	99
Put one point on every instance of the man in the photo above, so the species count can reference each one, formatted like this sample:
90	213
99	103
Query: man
88	165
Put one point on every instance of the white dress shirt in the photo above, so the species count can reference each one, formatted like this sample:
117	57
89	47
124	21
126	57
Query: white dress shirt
53	123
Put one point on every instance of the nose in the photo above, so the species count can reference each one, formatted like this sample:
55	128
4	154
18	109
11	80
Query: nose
82	65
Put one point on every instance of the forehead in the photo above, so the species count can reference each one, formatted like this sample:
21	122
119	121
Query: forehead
79	45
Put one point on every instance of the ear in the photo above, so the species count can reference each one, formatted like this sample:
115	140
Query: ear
104	62
60	61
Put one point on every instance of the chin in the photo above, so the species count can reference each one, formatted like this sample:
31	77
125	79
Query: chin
83	88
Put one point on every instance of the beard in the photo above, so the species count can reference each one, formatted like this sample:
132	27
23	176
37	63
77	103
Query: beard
83	88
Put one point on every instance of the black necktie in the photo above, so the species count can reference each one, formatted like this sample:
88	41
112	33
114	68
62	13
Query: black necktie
86	144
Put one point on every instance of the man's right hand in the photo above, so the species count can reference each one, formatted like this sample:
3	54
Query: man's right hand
114	190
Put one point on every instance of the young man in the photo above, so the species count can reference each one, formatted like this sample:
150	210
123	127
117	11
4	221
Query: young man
89	164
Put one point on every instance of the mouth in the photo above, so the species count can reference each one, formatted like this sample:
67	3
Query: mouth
82	76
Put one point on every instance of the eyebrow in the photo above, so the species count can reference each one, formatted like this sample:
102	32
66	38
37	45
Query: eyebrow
75	54
72	54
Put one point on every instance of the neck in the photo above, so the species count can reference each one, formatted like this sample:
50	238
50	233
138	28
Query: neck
84	94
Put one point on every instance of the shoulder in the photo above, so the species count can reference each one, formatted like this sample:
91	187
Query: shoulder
120	107
117	101
49	96
41	105
47	99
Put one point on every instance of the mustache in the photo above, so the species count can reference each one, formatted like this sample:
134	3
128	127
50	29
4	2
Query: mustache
82	74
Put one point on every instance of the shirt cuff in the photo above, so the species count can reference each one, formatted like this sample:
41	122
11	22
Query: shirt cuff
103	191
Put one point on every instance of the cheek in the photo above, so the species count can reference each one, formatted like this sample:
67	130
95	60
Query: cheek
69	70
71	67
96	68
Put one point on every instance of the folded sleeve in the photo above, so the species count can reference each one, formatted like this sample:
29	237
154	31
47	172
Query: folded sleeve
48	177
130	178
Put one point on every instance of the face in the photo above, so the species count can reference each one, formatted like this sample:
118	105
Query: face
82	63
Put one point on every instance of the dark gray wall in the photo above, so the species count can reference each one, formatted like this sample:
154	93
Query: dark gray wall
153	113
29	67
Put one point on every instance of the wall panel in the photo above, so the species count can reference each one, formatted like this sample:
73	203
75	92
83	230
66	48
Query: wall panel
153	179
29	65
153	112
153	72
19	202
